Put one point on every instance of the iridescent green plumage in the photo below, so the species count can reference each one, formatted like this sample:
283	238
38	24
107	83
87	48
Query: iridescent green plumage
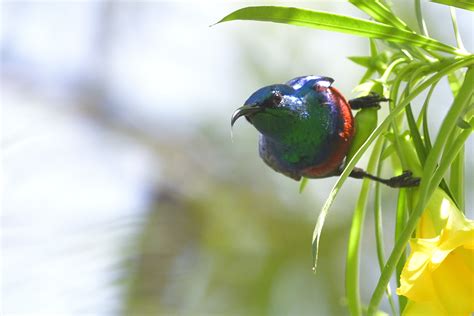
303	124
306	128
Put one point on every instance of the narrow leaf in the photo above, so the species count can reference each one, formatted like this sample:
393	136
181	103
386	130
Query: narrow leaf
432	175
303	183
336	22
456	179
351	164
455	79
400	221
379	239
379	12
365	122
419	18
415	134
353	247
364	61
462	4
452	10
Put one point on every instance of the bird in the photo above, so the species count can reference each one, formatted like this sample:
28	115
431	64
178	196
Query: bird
306	128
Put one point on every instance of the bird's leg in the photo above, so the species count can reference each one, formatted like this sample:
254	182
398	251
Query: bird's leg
369	101
405	180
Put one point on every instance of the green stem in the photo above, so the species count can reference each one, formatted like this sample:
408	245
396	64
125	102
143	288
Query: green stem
455	64
400	221
353	249
391	67
419	18
456	179
452	151
431	175
379	229
396	124
455	28
423	116
379	12
414	132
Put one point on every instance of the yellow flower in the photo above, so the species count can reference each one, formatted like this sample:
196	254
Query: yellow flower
438	277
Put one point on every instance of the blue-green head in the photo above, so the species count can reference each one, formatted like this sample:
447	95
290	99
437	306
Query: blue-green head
273	110
300	123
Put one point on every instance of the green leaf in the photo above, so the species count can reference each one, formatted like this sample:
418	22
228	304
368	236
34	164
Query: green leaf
376	133
408	147
419	18
467	61
377	62
364	61
353	247
432	173
389	151
463	124
455	79
455	28
365	122
303	183
415	134
462	4
336	22
400	221
379	240
421	149
456	178
424	116
379	12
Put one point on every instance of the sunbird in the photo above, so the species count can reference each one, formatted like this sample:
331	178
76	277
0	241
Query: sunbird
307	129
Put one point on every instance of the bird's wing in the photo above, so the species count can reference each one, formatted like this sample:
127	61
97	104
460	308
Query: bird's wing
298	82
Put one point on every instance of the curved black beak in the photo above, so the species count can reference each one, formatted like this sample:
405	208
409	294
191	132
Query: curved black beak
243	111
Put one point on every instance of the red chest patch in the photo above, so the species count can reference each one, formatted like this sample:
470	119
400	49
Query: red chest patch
336	157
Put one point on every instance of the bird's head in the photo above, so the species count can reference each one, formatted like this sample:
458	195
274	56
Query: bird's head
273	110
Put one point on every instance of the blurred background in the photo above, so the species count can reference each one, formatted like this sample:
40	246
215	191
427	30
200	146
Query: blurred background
122	191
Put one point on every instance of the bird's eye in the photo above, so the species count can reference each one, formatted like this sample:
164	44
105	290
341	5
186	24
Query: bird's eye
275	99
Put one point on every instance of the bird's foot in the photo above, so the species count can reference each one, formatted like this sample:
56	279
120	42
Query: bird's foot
405	180
369	101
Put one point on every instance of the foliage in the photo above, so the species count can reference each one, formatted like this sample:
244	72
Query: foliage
404	65
462	4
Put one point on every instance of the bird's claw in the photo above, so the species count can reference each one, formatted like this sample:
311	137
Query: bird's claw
405	180
369	101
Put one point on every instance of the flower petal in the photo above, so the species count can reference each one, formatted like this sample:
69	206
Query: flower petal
415	280
424	308
454	282
438	277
